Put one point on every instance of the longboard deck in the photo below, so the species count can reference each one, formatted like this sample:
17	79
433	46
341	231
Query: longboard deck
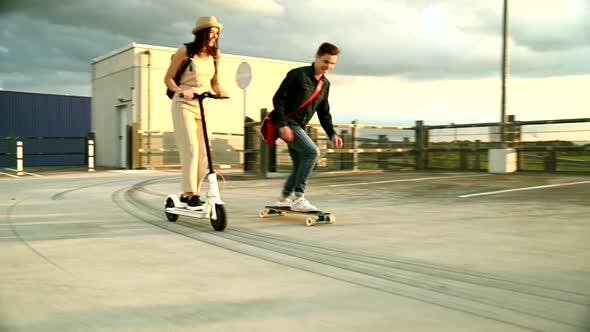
288	210
321	217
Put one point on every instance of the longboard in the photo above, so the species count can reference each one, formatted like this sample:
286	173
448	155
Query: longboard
315	217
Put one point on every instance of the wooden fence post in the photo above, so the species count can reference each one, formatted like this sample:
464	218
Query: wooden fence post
250	140
421	144
354	138
346	158
477	155
406	159
463	162
382	157
550	161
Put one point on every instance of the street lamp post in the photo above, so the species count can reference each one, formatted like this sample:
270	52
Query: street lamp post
505	71
503	160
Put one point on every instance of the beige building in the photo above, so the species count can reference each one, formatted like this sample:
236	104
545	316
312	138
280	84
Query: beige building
131	113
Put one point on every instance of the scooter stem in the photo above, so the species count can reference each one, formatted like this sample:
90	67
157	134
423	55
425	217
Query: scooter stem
206	135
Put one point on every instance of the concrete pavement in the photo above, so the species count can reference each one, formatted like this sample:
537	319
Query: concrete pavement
94	252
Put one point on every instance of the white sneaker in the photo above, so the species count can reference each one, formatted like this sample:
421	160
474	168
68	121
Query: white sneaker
287	203
302	205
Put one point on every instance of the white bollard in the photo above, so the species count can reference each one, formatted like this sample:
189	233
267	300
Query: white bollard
502	161
19	158
90	155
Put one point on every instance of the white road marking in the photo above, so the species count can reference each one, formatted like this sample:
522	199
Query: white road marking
134	171
33	174
522	189
14	176
405	180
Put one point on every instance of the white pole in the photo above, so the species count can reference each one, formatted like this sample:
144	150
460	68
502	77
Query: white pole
505	72
19	158
90	155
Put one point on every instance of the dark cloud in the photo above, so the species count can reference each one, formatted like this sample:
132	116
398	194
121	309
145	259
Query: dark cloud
416	39
564	29
47	57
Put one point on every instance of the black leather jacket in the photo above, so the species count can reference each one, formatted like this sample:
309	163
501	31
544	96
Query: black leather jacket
298	85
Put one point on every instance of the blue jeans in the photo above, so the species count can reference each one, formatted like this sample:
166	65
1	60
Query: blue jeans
304	154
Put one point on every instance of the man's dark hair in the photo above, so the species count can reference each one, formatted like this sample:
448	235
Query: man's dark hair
327	48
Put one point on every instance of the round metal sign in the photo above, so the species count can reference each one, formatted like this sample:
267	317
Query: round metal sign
244	75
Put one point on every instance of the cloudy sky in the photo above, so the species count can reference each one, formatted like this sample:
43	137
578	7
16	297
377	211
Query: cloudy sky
402	60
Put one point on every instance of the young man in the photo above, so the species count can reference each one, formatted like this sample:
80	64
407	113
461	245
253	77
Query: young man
296	88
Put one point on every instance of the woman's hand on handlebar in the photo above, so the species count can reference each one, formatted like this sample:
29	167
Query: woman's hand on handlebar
187	94
222	93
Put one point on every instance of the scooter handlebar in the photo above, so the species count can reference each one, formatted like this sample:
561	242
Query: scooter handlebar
208	95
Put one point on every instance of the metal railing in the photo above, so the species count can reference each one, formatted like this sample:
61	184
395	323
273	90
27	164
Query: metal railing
157	149
541	145
45	150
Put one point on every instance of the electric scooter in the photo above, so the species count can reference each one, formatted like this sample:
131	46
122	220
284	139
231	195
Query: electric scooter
213	207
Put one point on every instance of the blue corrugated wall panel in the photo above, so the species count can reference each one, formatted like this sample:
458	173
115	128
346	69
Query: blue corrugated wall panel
31	114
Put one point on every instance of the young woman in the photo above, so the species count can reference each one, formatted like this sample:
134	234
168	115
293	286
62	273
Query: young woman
200	76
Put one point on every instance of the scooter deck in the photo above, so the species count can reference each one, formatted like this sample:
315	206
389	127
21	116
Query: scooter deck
183	211
213	209
316	217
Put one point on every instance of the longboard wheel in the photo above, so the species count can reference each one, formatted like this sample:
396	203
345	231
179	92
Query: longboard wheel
269	212
310	221
170	216
331	219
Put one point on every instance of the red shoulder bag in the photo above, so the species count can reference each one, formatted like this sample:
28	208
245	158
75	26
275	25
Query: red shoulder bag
270	131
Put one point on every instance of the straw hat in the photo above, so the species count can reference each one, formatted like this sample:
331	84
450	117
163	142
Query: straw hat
207	22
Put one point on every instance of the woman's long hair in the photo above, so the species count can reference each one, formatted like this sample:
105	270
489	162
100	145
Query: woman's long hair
200	43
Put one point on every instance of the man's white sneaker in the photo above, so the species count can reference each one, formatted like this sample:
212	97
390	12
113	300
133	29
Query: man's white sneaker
302	205
287	203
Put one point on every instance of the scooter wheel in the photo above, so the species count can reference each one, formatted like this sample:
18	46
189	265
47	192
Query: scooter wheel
171	216
220	223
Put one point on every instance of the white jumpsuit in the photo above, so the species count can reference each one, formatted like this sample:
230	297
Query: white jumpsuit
186	118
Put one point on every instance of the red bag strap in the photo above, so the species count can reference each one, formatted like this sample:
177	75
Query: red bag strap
315	94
